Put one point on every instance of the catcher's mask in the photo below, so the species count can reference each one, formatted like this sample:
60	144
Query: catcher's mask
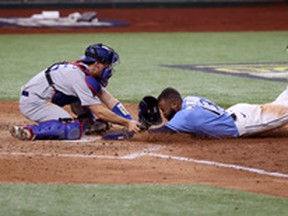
105	55
148	112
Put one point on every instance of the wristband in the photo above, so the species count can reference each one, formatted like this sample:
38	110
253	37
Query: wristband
120	110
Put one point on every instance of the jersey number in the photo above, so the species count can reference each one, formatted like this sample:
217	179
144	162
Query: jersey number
211	107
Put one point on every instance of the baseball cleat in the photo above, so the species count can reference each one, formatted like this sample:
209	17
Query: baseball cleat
15	131
21	133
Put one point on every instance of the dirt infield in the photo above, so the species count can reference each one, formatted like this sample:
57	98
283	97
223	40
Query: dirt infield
145	159
255	164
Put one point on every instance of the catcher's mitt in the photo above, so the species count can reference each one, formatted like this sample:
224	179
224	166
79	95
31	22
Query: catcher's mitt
148	112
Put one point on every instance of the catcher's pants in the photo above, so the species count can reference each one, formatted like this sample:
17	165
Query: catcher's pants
40	110
253	119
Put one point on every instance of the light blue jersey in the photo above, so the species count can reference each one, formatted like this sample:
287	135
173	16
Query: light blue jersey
202	117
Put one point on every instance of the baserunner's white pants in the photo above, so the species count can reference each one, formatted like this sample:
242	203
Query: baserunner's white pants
253	119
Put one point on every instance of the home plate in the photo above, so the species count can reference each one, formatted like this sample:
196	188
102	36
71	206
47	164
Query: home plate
84	139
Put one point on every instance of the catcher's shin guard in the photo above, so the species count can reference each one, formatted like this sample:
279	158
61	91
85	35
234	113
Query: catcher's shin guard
61	130
93	125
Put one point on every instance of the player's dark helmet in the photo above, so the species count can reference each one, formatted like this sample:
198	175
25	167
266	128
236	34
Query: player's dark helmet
100	53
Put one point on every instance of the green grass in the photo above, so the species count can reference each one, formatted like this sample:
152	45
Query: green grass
30	200
140	73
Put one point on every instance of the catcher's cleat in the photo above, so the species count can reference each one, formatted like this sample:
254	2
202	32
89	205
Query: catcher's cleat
21	133
15	131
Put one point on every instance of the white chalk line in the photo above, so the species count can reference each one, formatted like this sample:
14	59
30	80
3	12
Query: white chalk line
27	154
124	157
149	152
231	166
84	139
143	153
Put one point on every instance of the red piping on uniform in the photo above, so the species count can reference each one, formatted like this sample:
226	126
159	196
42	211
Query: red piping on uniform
31	131
81	67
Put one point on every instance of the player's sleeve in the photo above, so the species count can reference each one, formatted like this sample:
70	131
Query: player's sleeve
176	124
162	129
93	84
86	96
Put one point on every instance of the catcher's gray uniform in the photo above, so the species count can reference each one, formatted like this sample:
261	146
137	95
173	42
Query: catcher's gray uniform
80	84
36	95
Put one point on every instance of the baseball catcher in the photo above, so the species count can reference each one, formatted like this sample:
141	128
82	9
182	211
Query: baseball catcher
80	84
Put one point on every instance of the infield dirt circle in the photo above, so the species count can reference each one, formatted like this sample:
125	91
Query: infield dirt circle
255	164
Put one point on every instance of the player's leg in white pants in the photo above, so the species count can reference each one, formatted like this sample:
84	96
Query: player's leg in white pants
282	98
255	119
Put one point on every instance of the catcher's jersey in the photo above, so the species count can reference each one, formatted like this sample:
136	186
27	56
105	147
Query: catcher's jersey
72	86
202	117
69	81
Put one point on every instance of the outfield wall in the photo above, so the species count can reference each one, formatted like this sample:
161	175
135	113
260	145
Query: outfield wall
138	1
131	3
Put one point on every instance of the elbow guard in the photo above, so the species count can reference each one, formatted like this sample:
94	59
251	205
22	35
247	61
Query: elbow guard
120	110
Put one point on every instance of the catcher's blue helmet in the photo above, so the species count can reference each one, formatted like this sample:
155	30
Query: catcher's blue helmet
100	53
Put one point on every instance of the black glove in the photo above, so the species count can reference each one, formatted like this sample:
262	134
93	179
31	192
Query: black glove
148	112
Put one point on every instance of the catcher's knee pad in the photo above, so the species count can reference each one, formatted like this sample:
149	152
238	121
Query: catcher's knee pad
55	129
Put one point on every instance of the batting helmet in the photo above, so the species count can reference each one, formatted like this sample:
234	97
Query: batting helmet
148	112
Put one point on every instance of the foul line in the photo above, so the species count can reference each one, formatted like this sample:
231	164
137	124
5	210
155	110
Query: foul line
144	152
149	152
232	166
27	154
